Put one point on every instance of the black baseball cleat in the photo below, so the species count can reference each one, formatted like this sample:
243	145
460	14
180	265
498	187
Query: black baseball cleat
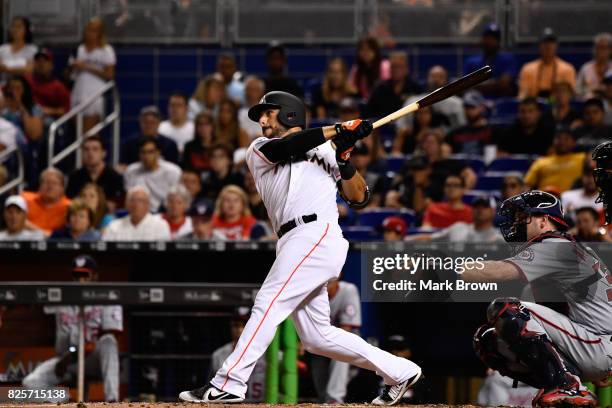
210	395
392	394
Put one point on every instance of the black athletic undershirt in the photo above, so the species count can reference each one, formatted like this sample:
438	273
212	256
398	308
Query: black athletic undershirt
294	144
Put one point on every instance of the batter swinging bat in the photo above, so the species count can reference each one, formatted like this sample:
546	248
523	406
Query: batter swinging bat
439	94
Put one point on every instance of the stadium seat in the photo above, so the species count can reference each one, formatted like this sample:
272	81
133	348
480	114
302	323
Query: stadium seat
505	107
375	217
512	163
361	233
489	182
471	195
475	162
396	163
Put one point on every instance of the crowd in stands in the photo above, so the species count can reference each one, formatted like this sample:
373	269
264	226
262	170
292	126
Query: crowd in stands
438	173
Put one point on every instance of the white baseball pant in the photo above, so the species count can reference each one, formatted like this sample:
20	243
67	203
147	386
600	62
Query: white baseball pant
307	257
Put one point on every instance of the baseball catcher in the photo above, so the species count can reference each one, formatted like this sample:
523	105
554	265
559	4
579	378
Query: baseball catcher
530	342
603	176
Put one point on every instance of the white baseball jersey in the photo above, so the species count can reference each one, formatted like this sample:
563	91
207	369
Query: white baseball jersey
301	187
345	306
97	318
257	381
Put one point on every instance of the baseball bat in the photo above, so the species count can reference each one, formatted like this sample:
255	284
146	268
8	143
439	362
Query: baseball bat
459	85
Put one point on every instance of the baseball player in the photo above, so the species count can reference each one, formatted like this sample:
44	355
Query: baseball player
101	325
298	173
530	342
602	173
331	378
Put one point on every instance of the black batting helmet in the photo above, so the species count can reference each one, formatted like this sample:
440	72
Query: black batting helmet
516	212
602	173
292	109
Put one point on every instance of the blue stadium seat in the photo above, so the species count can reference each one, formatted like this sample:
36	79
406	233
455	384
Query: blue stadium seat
505	107
395	163
475	162
489	182
513	163
375	217
471	195
361	233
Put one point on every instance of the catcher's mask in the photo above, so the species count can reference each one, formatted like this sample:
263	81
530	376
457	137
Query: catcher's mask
516	212
602	173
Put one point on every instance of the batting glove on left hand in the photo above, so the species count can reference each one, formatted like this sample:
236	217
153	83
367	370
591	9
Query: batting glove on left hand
347	134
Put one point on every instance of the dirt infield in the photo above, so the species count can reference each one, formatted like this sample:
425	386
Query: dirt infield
185	405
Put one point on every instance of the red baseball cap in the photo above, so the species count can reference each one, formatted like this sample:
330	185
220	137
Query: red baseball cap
395	223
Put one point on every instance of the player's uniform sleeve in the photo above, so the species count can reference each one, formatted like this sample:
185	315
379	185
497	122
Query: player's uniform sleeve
255	159
350	311
112	318
542	259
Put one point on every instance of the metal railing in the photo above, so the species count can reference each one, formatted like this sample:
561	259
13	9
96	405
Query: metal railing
77	112
20	179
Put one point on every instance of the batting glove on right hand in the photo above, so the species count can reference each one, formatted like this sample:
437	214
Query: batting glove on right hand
354	129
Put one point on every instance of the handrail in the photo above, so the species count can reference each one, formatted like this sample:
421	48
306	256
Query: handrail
19	180
77	112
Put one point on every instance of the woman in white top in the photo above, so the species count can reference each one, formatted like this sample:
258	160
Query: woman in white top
589	83
93	66
208	95
17	56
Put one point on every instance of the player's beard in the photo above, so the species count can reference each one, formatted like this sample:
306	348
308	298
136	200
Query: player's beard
272	132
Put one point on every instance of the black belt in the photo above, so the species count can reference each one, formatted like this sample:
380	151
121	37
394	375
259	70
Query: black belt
289	225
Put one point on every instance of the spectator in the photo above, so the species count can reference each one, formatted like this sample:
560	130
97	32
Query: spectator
452	210
208	95
584	196
560	169
277	79
149	120
10	135
480	231
177	204
201	213
16	56
389	95
95	170
590	77
191	180
232	220
394	228
228	130
256	205
593	130
423	176
477	133
607	98
530	134
221	173
80	224
93	195
48	92
563	113
512	185
48	207
21	110
538	77
178	127
502	63
451	107
152	172
254	89
369	67
335	87
588	226
15	218
93	65
426	120
197	151
139	224
234	87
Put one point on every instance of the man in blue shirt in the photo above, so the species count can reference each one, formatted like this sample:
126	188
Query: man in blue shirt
502	63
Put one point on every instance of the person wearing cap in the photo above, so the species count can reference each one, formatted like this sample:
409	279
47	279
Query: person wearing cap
559	169
49	92
177	203
102	325
591	75
148	121
480	230
15	217
538	77
394	228
277	78
257	380
178	126
95	170
47	208
139	224
201	213
477	133
503	64
593	130
153	172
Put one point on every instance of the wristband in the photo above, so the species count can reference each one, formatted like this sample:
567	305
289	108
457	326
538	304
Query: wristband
347	170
